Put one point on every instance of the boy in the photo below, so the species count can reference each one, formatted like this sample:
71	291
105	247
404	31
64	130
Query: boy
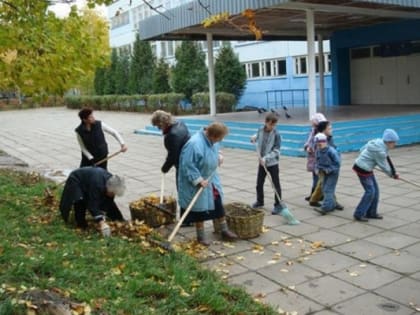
328	165
375	152
268	141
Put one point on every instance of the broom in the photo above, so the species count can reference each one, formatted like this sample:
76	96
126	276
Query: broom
284	212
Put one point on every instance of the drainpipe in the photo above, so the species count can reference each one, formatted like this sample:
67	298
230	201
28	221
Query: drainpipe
212	88
310	38
321	73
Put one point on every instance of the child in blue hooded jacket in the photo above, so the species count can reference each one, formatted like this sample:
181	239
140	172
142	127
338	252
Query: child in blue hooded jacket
374	153
328	163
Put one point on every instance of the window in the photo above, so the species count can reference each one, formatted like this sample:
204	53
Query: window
170	49
255	67
300	65
120	20
163	52
281	67
267	68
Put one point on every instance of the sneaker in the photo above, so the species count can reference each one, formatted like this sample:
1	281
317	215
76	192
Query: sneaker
377	216
339	207
276	210
360	219
315	204
257	205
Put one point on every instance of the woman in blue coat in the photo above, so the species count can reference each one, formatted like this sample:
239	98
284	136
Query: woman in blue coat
198	164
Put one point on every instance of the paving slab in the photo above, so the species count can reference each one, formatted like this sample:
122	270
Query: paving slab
392	239
401	262
288	301
371	304
393	252
367	276
362	249
328	261
289	274
405	291
328	290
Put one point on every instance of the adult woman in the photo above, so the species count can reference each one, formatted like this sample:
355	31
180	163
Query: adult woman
198	164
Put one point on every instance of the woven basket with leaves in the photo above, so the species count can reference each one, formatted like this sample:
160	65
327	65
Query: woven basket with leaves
154	214
245	221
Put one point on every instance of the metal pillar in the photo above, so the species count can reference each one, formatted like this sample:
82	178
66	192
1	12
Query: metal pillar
210	62
310	38
321	73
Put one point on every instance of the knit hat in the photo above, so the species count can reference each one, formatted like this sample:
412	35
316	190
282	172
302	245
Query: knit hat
320	137
318	117
390	136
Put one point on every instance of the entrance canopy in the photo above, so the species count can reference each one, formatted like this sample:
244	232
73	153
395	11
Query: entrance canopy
279	19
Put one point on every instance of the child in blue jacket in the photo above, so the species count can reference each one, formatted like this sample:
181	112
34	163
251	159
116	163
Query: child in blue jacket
328	163
374	153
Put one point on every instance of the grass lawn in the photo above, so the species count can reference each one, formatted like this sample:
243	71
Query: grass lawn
101	276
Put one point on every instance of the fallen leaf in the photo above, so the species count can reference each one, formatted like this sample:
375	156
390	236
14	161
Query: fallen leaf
317	244
353	274
271	262
284	270
362	266
275	243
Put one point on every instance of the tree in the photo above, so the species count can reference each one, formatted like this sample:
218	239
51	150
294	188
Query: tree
161	78
42	54
141	67
99	82
111	74
189	74
229	74
121	75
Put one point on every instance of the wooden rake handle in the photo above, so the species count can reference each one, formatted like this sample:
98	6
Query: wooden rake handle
188	210
107	158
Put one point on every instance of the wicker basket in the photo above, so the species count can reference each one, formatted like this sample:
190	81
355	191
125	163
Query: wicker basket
148	209
245	221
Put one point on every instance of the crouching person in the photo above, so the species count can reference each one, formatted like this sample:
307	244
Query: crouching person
92	189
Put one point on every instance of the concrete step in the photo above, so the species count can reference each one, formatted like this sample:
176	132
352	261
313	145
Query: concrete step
348	135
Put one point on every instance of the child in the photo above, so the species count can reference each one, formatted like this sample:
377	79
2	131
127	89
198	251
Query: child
268	141
309	148
375	152
324	127
328	164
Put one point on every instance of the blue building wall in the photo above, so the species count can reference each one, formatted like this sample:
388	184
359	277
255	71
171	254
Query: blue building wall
342	41
290	90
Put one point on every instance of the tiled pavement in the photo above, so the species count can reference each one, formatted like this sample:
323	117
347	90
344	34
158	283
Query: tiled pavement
362	268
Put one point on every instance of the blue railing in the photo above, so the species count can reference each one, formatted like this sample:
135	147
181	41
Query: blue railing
293	98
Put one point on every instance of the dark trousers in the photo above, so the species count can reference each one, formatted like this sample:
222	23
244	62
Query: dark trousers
274	172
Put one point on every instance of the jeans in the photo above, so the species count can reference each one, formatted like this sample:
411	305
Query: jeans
328	189
274	172
368	205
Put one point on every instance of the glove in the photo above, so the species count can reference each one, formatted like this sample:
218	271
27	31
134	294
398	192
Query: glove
396	176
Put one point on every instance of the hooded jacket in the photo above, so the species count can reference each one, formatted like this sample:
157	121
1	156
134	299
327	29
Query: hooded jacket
328	160
373	154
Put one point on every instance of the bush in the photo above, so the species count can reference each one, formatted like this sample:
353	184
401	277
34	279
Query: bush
225	102
168	101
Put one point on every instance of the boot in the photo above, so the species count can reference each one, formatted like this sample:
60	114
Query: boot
285	213
229	236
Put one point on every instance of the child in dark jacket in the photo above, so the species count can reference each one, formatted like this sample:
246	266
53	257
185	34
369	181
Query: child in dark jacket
328	163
